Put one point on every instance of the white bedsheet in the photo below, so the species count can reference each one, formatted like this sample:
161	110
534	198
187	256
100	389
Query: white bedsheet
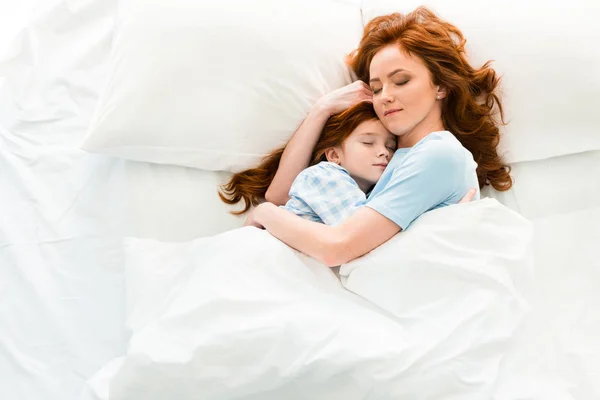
63	213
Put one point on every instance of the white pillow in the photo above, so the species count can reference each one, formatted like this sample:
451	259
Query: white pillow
549	58
556	186
241	315
218	85
171	203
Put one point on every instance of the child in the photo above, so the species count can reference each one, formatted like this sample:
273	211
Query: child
349	158
330	191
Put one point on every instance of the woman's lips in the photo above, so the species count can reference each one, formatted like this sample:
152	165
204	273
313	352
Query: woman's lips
380	165
391	112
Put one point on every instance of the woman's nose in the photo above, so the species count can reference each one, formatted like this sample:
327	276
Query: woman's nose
386	96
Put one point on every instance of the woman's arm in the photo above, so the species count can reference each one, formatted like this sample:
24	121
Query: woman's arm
332	245
296	155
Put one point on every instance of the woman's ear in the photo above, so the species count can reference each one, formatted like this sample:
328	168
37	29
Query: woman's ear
441	92
333	155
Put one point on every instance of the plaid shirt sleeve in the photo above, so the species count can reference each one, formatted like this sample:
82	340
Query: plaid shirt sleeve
325	193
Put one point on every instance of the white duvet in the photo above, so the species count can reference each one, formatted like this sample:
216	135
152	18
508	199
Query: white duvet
241	315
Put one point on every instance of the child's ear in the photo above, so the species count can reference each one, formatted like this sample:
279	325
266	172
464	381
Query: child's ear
333	155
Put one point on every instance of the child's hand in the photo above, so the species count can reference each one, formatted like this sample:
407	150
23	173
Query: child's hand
345	97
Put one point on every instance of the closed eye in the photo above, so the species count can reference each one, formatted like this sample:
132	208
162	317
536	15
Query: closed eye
376	91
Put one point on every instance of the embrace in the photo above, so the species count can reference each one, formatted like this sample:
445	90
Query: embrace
417	131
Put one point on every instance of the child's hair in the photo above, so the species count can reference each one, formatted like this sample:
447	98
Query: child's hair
252	184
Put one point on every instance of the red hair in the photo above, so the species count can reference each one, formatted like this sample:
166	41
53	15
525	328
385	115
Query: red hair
471	105
252	184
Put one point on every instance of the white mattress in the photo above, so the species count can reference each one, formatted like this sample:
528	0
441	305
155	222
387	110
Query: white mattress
63	213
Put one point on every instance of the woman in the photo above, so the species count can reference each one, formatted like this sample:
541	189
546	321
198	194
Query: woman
442	111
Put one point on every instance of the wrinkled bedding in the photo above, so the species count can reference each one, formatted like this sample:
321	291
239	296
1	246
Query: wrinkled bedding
64	213
242	315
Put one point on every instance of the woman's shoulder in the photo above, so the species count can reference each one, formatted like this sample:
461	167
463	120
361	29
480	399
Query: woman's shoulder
441	140
442	146
440	152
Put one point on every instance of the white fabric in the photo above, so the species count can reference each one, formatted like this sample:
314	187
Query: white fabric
554	186
556	356
549	59
448	254
63	214
303	61
218	87
265	321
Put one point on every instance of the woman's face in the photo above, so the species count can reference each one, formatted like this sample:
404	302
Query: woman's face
404	96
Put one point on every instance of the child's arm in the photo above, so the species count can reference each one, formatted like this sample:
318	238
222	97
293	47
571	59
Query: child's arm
296	155
298	151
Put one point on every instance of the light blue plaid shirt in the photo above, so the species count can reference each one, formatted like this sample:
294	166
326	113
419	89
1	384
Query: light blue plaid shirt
325	193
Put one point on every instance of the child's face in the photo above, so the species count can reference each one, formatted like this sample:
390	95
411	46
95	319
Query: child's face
366	152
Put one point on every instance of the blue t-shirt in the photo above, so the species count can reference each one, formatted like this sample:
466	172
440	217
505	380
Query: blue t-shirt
436	172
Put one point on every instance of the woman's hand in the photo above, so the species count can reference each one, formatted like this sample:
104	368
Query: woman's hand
469	196
251	219
345	97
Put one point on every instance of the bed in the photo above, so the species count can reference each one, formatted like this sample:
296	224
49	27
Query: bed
65	211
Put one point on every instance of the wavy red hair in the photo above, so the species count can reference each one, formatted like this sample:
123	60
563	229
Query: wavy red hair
251	185
472	110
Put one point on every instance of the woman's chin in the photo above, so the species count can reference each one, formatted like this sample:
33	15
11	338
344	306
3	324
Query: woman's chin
399	131
396	127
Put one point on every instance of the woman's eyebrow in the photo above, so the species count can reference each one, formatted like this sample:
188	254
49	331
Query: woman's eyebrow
389	75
